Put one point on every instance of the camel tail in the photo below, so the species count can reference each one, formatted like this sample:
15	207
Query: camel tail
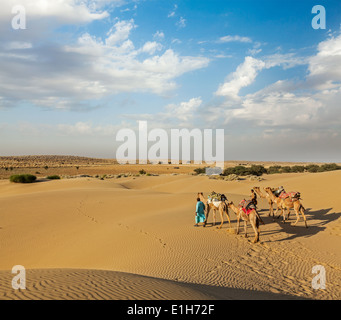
259	218
302	209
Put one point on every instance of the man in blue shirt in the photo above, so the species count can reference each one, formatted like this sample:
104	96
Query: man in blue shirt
200	213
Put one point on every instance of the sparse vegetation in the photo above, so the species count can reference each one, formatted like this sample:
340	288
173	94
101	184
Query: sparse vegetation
23	178
199	170
254	170
54	177
142	172
258	170
308	168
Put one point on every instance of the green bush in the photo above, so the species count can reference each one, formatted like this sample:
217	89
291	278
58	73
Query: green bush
286	169
330	167
297	169
55	177
255	170
200	170
313	168
23	178
274	169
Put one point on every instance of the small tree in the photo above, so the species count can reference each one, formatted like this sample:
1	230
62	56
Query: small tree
23	178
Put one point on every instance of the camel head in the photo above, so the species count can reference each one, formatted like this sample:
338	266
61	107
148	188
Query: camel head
256	188
201	196
230	204
269	190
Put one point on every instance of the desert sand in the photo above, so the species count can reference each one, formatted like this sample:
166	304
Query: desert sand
134	238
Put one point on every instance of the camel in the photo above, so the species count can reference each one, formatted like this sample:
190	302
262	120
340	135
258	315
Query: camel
252	217
268	199
287	204
210	206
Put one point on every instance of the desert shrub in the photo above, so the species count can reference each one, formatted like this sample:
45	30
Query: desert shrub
274	169
297	169
313	168
200	170
285	169
54	177
255	170
23	178
142	172
330	167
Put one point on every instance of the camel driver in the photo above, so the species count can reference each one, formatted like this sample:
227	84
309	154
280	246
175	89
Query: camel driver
254	197
199	213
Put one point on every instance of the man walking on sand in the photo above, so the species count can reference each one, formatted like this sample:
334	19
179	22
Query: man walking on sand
199	213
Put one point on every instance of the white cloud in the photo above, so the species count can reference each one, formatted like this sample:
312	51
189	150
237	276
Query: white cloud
119	32
235	39
86	128
64	11
174	115
245	74
92	68
18	45
159	35
325	66
185	111
307	105
173	12
181	23
151	47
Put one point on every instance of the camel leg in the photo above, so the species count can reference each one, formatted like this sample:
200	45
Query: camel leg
238	224
207	214
228	218
245	229
304	218
297	216
221	218
255	227
283	210
282	213
288	214
271	211
214	218
278	206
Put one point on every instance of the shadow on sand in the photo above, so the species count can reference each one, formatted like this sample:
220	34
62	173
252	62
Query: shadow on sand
317	221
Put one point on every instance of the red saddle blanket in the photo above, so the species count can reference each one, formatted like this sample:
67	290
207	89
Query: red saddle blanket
247	206
285	195
247	211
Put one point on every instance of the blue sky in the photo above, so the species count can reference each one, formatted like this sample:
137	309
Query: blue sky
82	70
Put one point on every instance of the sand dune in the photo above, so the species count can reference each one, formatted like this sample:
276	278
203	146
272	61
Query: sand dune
80	284
140	230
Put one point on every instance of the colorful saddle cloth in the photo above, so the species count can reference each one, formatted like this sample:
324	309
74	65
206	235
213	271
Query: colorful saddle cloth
292	195
213	196
247	206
